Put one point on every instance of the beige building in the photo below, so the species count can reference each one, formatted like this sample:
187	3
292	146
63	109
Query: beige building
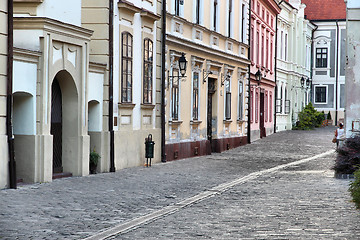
135	73
3	80
206	110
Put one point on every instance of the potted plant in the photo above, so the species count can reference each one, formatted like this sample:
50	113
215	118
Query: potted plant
94	160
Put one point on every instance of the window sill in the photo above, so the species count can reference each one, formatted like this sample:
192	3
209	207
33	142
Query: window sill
195	122
126	105
175	122
241	121
227	121
147	106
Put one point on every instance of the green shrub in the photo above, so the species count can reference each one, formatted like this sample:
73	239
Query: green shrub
309	118
348	156
94	157
354	189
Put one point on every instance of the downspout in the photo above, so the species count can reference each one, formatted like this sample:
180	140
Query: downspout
337	72
312	60
275	70
111	85
163	49
249	86
9	98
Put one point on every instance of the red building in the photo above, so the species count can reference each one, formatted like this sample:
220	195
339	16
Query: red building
262	69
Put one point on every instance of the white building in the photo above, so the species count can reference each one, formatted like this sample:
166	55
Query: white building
293	76
328	65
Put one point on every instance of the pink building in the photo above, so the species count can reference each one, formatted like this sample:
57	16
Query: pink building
262	56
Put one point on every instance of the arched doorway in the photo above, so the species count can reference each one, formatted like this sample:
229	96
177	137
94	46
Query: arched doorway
65	123
56	125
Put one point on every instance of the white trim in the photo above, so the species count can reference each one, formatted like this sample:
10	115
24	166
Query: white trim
326	92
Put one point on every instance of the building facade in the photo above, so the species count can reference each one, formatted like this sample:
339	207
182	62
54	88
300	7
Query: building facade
4	169
352	114
293	66
262	70
136	73
206	110
329	56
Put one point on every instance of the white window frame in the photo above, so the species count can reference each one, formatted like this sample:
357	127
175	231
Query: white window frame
212	11
225	96
326	94
241	100
201	12
192	95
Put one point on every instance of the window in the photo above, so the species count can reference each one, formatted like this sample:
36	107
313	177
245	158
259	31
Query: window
243	23
267	52
195	107
270	107
148	71
126	66
177	7
321	57
258	8
241	100
251	105
227	100
263	14
198	7
286	43
256	106
271	56
281	45
266	106
262	51
267	18
272	20
252	44
257	47
215	14
229	19
320	94
175	94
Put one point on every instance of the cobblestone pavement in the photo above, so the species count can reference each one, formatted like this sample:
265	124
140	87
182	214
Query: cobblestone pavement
299	202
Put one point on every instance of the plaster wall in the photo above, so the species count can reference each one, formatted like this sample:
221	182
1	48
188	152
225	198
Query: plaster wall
69	11
3	86
352	114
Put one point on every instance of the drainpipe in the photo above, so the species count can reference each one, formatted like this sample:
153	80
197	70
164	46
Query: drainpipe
111	77
312	60
163	49
249	86
275	70
337	72
9	98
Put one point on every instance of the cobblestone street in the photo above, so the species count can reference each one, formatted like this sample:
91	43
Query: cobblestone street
280	187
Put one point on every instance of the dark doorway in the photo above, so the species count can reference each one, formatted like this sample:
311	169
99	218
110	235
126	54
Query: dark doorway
262	115
56	126
211	91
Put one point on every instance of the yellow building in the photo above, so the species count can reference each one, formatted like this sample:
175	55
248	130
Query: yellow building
206	110
134	33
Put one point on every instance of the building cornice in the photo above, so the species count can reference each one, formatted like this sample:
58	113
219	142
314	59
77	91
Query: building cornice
52	26
184	43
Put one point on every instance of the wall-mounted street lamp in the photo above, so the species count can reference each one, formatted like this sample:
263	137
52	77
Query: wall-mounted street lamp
302	80
182	67
258	76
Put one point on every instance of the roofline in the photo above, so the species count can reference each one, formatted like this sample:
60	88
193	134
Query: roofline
327	20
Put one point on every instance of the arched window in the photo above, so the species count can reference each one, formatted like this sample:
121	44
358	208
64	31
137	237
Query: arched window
126	66
148	71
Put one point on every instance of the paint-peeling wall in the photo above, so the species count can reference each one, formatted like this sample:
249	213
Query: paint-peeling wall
352	113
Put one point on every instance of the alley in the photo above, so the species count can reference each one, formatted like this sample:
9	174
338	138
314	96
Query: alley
251	192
